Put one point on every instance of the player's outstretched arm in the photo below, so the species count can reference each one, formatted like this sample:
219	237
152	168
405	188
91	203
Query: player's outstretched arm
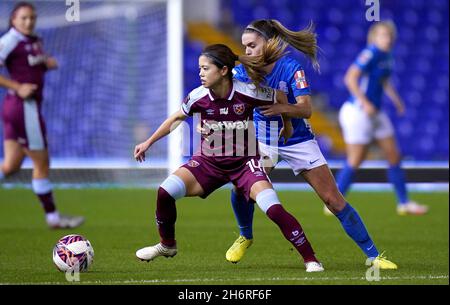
166	127
392	93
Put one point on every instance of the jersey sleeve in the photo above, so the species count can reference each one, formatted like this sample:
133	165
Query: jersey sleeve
365	59
240	74
186	106
7	45
298	82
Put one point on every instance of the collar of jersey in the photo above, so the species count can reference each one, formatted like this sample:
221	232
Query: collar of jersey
213	98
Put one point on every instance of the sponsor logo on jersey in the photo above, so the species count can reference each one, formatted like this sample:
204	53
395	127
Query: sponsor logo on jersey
228	125
210	111
36	60
267	91
193	163
224	110
300	80
239	109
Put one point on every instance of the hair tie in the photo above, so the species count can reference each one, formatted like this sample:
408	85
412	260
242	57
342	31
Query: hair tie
251	27
214	58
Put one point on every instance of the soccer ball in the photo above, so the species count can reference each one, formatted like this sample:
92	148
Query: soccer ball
73	253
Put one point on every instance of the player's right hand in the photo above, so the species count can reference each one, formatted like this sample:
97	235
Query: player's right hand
369	108
139	151
25	90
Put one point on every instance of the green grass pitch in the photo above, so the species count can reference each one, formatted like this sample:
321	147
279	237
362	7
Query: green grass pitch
119	221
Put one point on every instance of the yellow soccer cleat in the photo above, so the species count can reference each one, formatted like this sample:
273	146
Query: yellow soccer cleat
237	250
383	263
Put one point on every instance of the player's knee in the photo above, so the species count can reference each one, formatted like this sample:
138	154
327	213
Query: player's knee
8	169
334	201
173	186
266	199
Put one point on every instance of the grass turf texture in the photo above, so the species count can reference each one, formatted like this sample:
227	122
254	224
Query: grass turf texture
118	222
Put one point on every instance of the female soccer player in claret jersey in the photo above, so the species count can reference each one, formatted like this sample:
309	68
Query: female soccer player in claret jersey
226	109
362	119
301	152
23	124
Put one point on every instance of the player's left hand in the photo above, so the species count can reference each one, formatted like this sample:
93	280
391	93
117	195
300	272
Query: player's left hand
51	63
272	110
401	109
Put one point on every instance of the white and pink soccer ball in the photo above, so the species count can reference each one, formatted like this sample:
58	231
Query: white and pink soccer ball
73	253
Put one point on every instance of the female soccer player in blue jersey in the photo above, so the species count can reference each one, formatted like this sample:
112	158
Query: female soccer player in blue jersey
301	152
23	124
226	109
362	119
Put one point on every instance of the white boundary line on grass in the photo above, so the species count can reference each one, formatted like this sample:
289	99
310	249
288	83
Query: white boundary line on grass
274	279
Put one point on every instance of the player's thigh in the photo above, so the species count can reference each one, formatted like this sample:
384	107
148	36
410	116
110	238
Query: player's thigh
13	156
390	149
193	187
322	181
356	154
303	156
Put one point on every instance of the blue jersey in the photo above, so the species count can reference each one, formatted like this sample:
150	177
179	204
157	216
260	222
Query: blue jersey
376	67
288	76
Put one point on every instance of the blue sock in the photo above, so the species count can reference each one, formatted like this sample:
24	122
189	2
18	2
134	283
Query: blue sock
243	212
1	175
396	176
353	225
345	178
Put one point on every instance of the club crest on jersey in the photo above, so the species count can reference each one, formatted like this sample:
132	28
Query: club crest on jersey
283	87
364	57
239	109
300	80
193	163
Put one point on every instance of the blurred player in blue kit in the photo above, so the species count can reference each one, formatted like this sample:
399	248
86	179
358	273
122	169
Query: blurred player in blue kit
362	119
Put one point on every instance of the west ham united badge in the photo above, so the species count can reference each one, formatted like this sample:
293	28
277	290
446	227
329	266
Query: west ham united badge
193	163
239	108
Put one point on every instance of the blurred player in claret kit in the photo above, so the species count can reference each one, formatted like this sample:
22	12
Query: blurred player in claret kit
302	151
225	105
362	120
23	124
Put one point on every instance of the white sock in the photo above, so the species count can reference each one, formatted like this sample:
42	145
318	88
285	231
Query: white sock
41	186
52	218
